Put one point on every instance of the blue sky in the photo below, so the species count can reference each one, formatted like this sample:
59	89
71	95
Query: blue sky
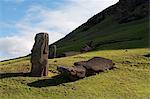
20	20
13	11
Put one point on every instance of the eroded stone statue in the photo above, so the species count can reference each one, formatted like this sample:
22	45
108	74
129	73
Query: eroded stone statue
86	68
39	56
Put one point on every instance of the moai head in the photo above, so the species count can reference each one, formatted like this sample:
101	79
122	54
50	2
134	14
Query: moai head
40	47
41	42
74	73
77	72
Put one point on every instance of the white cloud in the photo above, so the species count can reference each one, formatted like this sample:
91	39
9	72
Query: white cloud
56	22
11	47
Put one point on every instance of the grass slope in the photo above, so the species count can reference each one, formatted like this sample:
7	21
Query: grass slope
108	34
130	79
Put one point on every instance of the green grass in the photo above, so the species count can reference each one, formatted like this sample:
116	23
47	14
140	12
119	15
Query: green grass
130	79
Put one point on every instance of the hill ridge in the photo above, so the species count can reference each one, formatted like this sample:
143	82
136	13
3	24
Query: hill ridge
125	13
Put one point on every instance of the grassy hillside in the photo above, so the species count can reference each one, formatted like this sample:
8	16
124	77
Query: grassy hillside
109	34
130	78
120	33
122	25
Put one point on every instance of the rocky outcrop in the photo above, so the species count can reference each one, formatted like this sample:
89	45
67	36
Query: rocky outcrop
124	11
39	56
86	68
130	10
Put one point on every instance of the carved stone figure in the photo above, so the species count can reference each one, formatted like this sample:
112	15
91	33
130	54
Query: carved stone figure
86	68
39	56
52	51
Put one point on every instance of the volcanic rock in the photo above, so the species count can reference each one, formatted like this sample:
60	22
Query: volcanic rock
39	56
86	68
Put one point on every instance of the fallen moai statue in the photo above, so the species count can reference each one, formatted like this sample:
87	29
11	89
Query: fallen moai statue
86	68
39	55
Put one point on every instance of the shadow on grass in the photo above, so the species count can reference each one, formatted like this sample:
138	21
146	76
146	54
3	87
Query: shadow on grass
53	81
9	75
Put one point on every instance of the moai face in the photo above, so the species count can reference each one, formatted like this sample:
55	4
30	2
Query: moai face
77	72
41	39
74	73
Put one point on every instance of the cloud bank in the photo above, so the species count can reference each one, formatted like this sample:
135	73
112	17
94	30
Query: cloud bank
57	22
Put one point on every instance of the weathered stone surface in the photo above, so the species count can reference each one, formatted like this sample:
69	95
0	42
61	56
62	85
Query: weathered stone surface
74	73
69	53
96	64
88	47
52	51
86	68
39	56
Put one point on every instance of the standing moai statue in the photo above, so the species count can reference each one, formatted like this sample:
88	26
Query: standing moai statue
39	56
53	51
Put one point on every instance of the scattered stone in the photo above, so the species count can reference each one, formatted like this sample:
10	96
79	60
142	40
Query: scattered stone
126	62
86	68
39	56
147	55
55	61
88	47
73	88
126	50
